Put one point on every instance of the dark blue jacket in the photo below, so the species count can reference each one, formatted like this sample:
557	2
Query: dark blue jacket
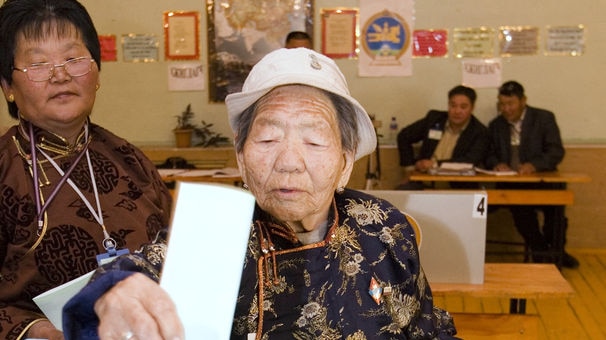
326	289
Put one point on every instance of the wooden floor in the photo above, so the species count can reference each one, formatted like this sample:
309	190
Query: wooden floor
582	316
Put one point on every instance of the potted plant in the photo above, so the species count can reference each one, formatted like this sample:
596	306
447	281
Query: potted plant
185	128
207	137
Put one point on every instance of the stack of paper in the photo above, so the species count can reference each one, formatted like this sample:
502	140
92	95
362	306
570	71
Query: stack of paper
496	173
453	168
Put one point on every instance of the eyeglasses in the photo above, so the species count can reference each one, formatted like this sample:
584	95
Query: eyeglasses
76	67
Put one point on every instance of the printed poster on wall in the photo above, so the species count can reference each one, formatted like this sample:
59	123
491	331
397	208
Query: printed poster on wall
139	47
473	42
482	73
430	43
565	40
385	38
518	40
186	77
108	47
242	32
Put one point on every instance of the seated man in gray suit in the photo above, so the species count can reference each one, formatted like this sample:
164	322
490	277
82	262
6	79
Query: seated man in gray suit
527	139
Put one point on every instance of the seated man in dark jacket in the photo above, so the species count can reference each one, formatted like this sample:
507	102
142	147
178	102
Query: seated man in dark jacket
453	136
527	139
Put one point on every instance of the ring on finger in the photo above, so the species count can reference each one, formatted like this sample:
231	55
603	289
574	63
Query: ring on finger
128	336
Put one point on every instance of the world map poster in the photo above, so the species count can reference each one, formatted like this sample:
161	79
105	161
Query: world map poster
241	32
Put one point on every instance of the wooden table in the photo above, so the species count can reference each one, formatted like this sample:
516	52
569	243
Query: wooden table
557	197
537	177
189	175
514	281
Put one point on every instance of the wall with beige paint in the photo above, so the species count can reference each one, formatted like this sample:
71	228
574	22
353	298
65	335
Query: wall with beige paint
134	101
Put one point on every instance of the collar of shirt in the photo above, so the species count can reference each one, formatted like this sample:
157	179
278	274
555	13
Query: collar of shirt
518	124
448	128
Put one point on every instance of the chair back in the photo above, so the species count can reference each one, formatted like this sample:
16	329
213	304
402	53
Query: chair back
416	227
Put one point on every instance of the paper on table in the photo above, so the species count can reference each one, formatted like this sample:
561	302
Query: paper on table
456	166
227	172
51	302
170	172
224	172
453	168
496	173
206	249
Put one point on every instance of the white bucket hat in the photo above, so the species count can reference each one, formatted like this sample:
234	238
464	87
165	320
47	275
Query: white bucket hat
299	66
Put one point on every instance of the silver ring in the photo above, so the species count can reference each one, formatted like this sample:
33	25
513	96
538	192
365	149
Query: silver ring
128	335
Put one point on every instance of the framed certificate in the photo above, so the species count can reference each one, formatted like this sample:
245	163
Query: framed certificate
181	35
473	42
140	47
518	40
565	40
339	32
430	43
108	47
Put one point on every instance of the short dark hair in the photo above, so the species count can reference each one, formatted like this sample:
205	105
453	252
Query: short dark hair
512	88
464	90
33	18
297	35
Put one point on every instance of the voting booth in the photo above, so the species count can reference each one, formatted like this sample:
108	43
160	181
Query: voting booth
453	228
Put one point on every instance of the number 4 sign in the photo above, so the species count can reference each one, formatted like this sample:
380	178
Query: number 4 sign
480	206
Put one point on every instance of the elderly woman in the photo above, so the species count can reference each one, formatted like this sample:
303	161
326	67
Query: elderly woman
323	262
69	190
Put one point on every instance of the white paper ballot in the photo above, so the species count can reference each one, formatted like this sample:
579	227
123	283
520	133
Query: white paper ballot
497	173
206	249
51	302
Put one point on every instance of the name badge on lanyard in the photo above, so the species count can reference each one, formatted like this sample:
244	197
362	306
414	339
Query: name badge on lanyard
112	253
435	134
110	256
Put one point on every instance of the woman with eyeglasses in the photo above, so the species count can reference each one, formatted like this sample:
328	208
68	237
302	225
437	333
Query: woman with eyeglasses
72	194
